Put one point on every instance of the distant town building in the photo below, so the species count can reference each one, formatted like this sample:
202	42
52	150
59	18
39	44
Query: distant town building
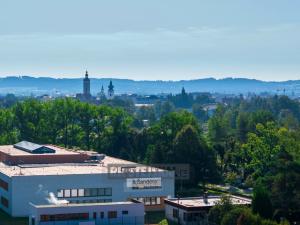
86	95
110	92
101	94
86	86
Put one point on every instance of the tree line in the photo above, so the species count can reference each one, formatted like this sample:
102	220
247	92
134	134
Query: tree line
249	143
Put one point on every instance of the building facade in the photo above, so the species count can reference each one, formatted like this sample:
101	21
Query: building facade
194	210
119	213
79	177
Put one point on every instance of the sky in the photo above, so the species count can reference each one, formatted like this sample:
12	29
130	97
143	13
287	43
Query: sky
151	39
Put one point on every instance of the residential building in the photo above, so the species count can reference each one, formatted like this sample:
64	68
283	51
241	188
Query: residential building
192	210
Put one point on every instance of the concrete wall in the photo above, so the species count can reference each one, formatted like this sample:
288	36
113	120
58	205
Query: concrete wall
35	189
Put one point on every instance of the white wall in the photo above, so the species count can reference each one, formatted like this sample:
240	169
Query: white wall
35	189
6	194
135	213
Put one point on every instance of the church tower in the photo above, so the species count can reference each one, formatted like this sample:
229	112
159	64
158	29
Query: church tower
110	92
86	86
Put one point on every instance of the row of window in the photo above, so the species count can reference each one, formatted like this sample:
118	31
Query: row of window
110	214
4	202
86	192
62	217
80	216
90	201
3	185
149	200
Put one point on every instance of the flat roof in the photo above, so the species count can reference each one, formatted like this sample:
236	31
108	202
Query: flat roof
82	204
211	201
13	151
102	167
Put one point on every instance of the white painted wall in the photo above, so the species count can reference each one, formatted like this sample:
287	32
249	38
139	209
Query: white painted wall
35	189
135	214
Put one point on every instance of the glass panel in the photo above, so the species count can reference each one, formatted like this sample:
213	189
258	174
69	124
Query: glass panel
67	193
87	192
108	191
101	192
147	201
112	214
60	193
158	200
94	191
80	192
74	192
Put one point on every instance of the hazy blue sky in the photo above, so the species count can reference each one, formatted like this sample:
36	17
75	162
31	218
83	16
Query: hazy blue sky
151	39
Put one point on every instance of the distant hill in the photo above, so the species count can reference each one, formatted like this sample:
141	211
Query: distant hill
27	85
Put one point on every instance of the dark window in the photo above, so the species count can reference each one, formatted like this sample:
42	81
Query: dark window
87	192
3	185
102	215
108	191
112	214
175	213
95	215
4	202
125	212
64	217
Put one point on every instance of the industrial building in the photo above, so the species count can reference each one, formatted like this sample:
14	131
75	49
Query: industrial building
30	172
118	213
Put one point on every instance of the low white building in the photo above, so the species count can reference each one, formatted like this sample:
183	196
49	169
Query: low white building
192	210
28	173
127	213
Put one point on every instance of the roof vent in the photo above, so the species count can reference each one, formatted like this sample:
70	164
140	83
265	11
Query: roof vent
33	148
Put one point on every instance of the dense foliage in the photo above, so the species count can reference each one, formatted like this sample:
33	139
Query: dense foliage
246	142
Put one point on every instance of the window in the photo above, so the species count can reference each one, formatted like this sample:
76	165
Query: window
112	214
87	192
153	200
175	213
3	185
74	192
101	192
64	217
108	191
67	193
4	202
94	215
158	201
60	193
94	191
147	201
125	212
102	215
80	192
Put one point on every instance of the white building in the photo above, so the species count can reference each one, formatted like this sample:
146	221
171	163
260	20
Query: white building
193	210
29	172
127	213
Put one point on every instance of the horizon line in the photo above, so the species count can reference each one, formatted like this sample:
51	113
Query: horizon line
141	80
